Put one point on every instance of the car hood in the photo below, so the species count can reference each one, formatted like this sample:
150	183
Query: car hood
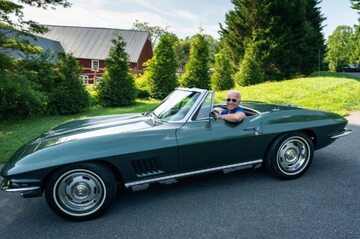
88	128
98	126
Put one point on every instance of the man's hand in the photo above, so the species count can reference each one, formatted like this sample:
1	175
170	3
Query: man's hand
217	110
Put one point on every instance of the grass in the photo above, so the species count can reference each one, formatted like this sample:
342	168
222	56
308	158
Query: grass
334	92
324	91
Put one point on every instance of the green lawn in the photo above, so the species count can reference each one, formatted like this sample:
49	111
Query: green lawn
325	91
331	92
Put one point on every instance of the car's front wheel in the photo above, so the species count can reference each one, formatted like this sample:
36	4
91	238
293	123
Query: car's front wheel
290	155
81	192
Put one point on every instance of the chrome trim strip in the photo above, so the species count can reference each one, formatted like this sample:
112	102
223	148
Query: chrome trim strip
22	189
342	134
192	173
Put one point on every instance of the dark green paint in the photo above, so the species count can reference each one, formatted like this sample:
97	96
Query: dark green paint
138	148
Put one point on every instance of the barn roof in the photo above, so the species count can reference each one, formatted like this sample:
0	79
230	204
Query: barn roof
44	43
95	43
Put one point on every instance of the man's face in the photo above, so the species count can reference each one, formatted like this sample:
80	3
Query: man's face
232	101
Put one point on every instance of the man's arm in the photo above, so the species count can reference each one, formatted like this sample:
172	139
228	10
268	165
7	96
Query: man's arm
236	117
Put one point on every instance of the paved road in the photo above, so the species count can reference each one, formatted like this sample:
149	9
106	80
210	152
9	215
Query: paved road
324	203
356	74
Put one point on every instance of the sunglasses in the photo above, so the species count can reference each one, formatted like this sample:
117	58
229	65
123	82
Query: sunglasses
233	100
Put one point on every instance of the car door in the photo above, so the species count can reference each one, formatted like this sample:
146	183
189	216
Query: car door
205	143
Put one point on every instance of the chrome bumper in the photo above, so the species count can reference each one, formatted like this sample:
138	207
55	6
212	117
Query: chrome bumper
25	189
342	134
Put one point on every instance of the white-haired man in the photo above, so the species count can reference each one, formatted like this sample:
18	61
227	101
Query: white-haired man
233	113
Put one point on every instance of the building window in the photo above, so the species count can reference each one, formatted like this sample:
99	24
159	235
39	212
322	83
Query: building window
85	79
95	65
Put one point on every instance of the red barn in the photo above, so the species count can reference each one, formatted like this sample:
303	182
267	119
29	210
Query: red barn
91	45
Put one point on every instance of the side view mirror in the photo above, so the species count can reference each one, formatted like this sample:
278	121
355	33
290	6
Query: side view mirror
212	117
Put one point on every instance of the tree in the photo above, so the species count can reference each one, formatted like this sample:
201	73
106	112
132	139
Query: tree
197	68
286	33
355	4
40	69
248	22
155	31
117	86
298	37
6	62
161	71
250	72
214	47
339	48
70	95
19	97
222	77
355	46
183	51
355	57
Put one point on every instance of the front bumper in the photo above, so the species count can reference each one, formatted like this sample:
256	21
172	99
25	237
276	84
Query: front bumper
27	189
343	133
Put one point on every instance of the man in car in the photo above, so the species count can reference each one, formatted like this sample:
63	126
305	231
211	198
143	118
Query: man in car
233	113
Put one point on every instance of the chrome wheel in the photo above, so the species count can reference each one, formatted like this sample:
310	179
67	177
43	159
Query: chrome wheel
293	155
79	192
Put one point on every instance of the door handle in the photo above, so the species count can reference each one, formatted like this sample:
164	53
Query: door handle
255	128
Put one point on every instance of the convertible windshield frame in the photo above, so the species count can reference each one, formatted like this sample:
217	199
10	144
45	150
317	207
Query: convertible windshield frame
191	98
207	94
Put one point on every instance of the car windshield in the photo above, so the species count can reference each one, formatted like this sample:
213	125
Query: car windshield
176	106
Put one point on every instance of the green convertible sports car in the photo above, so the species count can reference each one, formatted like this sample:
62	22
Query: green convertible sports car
79	165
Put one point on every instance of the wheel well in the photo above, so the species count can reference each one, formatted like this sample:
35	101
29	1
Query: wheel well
112	168
309	133
108	165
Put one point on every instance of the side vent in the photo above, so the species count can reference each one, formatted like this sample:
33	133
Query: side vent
146	167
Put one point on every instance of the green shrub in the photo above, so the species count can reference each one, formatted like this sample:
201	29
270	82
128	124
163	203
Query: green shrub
142	87
117	87
250	72
222	77
40	69
6	62
161	71
18	97
70	96
197	68
93	95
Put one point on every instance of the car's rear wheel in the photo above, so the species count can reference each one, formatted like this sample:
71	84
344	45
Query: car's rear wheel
290	155
81	192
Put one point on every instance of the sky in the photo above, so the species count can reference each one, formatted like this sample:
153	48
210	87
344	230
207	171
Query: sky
182	17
